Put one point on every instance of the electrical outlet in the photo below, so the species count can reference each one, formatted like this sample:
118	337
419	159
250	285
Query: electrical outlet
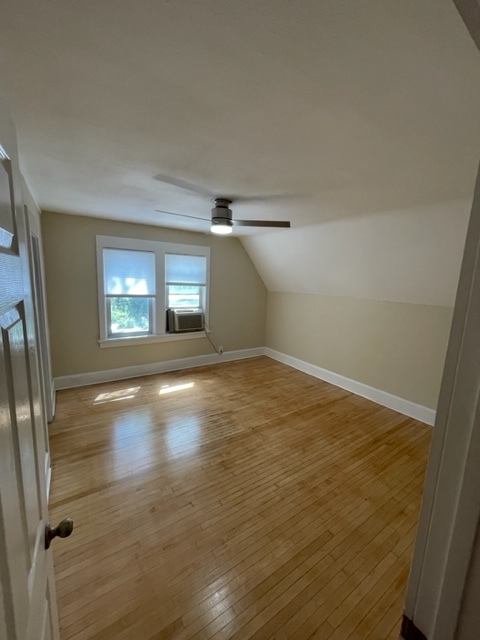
220	350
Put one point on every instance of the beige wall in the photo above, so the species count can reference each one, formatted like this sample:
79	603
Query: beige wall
237	295
393	346
396	347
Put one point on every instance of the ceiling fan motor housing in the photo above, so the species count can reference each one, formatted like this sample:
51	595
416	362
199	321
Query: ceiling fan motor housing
221	213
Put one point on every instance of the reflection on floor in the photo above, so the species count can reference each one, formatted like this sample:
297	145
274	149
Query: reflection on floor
241	500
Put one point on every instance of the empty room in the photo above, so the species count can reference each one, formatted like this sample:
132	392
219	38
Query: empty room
239	305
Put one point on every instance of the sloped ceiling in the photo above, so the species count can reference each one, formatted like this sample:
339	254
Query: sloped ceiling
364	113
401	256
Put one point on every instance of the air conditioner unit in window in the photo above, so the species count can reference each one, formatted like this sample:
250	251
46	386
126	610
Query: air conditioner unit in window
180	320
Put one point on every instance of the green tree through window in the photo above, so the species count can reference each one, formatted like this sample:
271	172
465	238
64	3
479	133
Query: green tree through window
129	315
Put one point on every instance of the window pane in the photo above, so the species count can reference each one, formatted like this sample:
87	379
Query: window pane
129	315
129	272
188	269
184	296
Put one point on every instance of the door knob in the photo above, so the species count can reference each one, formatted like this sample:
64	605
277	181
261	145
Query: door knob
62	530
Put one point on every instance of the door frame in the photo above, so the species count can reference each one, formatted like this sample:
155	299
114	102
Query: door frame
37	274
450	511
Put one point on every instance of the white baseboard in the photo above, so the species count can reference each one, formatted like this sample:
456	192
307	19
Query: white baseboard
136	371
411	409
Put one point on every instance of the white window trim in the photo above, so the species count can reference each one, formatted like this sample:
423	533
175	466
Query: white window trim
151	339
159	249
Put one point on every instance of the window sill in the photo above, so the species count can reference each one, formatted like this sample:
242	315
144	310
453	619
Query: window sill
135	341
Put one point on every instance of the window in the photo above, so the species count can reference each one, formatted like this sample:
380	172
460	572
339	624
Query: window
185	280
129	284
139	279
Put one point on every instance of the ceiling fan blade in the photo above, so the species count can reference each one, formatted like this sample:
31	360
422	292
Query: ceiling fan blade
182	184
262	223
278	197
181	215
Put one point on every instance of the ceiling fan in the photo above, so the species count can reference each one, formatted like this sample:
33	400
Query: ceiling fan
222	220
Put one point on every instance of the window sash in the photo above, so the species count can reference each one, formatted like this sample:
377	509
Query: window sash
127	334
201	293
184	284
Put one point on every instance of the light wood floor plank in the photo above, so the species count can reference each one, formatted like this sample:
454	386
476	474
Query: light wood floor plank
257	502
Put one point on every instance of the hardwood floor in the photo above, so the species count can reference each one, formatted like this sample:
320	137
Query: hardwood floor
242	500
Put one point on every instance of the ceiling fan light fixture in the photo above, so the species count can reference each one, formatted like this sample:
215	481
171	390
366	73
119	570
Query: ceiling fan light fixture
222	219
221	226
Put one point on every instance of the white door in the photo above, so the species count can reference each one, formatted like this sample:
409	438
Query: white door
27	601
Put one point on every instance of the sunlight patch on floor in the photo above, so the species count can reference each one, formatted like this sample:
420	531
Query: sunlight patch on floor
114	396
166	388
183	436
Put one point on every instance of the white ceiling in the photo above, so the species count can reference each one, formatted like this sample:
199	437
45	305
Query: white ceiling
365	114
350	107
